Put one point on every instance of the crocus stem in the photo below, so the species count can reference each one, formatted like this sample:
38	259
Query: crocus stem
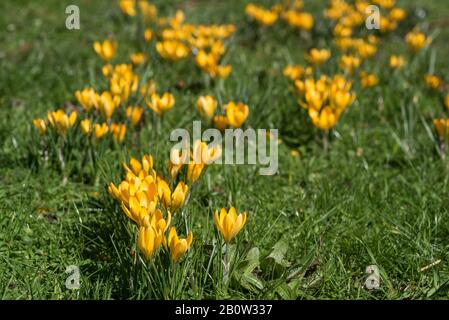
326	141
93	157
61	156
226	263
183	212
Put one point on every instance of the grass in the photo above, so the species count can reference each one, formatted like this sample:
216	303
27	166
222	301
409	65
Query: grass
379	196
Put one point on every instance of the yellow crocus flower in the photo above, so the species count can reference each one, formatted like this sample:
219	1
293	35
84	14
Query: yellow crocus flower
366	50
40	125
107	104
397	14
164	193
206	106
206	61
179	196
177	246
161	105
60	121
105	50
221	71
236	113
194	171
220	122
432	81
172	50
442	128
148	35
397	62
134	114
349	63
142	204
179	157
368	80
317	56
202	153
261	15
293	72
300	20
149	11
128	7
118	131
229	224
137	58
151	233
342	31
145	166
87	98
149	240
446	101
416	40
86	127
100	130
107	70
324	119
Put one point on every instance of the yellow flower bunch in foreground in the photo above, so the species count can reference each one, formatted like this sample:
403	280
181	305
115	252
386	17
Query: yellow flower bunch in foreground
144	197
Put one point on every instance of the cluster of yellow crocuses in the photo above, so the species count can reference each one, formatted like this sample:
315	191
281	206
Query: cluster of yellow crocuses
290	11
143	195
99	108
325	99
206	43
177	39
153	202
347	17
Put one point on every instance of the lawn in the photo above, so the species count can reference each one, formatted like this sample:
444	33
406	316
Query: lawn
374	191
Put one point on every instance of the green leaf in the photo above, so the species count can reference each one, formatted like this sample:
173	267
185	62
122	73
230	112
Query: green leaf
278	253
